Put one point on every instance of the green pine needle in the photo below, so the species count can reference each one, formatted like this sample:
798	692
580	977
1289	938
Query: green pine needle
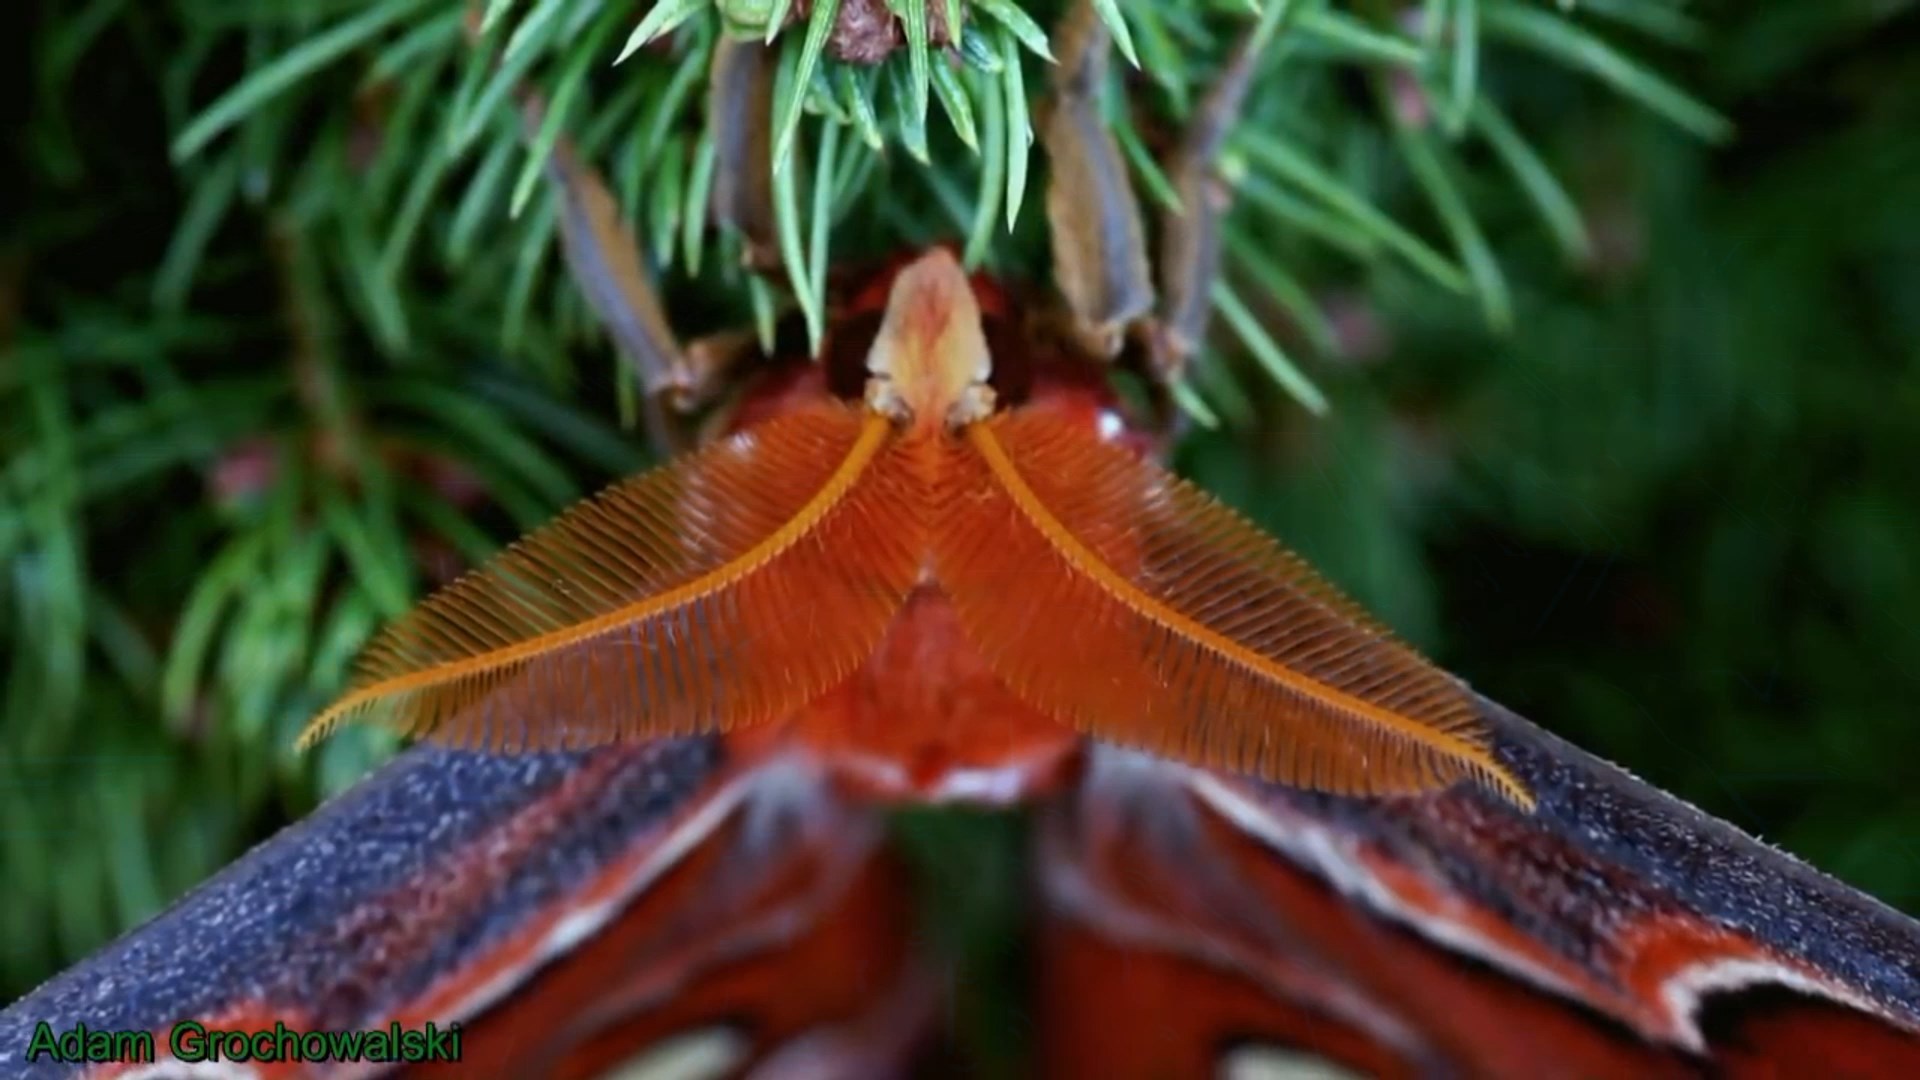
1314	180
1189	401
993	171
1530	172
534	31
777	19
1345	36
1434	172
919	66
824	100
567	88
478	201
1666	22
693	218
1018	23
1109	11
410	219
1218	386
529	38
1266	350
1162	57
663	18
210	202
669	108
1311	219
265	83
421	45
912	122
1567	42
491	16
786	212
760	298
1277	284
1013	90
855	90
977	51
787	120
825	166
1464	65
954	102
667	201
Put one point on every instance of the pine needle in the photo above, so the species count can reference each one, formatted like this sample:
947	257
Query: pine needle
1530	172
760	298
297	63
1345	36
776	19
953	100
1270	274
918	64
978	52
993	169
856	97
1222	391
661	20
667	200
1109	11
1018	23
699	199
1267	351
566	89
1578	48
786	216
1464	65
1435	173
1019	127
495	9
1189	401
912	122
1316	181
824	168
534	31
787	120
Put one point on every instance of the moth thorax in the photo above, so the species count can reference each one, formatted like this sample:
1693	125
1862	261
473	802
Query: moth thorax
929	363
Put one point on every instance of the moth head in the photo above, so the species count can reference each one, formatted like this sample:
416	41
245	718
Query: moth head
929	364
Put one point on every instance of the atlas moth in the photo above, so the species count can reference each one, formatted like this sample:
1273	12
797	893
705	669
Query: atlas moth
939	564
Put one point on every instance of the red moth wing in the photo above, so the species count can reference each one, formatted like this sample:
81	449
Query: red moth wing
1130	604
725	588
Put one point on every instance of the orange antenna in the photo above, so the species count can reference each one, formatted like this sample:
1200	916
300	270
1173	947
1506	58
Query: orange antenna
1122	600
709	593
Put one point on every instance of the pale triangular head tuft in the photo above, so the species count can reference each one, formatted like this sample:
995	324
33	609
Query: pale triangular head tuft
929	363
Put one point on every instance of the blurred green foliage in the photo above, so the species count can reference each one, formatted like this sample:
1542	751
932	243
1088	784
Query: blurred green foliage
1622	417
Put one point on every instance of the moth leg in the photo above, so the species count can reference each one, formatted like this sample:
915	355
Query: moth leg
712	361
1190	239
740	115
605	263
1099	247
